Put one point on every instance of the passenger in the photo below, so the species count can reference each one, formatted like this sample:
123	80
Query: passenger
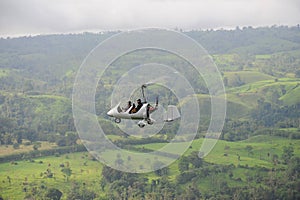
139	105
133	109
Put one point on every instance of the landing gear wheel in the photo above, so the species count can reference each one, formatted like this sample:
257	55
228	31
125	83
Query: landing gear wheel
141	125
117	120
149	121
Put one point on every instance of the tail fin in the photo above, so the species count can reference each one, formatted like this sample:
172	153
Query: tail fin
171	114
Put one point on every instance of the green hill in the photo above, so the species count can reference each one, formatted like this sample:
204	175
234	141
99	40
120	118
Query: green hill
283	91
36	114
241	100
235	108
245	77
292	96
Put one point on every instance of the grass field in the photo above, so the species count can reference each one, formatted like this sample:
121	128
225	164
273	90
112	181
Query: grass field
17	176
247	76
4	72
292	96
8	149
263	147
246	163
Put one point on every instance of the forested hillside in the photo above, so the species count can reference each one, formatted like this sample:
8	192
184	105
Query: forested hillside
258	65
257	157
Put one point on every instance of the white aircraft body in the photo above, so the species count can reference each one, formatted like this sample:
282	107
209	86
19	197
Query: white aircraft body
144	113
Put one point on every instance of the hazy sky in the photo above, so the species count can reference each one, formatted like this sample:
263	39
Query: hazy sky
25	17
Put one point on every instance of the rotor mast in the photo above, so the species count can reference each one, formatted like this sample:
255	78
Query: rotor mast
143	92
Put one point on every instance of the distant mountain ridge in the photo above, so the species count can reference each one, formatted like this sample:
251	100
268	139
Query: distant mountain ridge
49	57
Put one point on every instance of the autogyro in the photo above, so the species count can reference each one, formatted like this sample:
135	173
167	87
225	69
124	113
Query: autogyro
142	111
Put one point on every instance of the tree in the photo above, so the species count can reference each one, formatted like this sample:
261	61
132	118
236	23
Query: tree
185	177
111	174
119	161
48	173
53	194
61	141
195	160
157	166
249	149
71	138
237	81
275	159
36	146
288	153
67	172
27	86
191	193
16	146
297	74
79	191
183	164
7	138
293	170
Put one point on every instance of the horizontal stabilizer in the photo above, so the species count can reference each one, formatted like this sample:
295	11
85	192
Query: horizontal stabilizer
171	114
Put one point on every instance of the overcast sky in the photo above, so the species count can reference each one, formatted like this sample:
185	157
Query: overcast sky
31	17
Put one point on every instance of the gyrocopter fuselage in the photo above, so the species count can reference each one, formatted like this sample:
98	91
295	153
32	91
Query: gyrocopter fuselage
142	111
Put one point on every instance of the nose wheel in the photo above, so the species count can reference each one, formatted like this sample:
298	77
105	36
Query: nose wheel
141	125
117	120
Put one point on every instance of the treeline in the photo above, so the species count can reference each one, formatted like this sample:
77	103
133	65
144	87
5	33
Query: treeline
249	40
11	133
270	115
41	153
266	119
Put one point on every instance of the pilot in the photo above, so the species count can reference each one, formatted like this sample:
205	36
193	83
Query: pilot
127	107
139	105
